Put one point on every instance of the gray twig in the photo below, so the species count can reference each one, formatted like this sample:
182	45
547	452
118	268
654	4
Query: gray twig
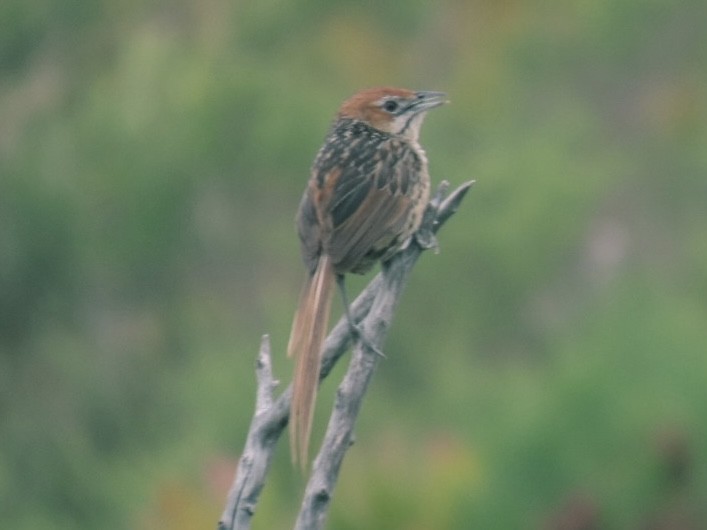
374	309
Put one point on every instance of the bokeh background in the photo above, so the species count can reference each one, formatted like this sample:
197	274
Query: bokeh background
548	369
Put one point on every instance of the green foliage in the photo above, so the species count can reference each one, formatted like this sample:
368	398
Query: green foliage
152	156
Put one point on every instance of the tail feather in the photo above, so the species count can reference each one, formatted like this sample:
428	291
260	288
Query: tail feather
309	330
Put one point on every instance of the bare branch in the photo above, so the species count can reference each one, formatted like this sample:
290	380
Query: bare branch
374	309
255	460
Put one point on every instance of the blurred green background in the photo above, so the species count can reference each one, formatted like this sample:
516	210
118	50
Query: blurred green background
548	369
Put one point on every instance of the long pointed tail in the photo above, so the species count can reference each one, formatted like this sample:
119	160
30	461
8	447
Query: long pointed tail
309	330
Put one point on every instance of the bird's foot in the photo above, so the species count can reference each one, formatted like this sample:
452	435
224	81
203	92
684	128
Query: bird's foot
357	333
427	240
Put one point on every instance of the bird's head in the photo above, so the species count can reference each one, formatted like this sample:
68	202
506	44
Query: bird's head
395	111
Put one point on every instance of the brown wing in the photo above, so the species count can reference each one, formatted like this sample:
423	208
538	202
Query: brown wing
358	199
370	206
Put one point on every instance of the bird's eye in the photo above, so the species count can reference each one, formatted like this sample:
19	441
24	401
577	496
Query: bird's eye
391	105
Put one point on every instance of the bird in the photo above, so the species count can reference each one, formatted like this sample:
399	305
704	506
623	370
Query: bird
368	189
